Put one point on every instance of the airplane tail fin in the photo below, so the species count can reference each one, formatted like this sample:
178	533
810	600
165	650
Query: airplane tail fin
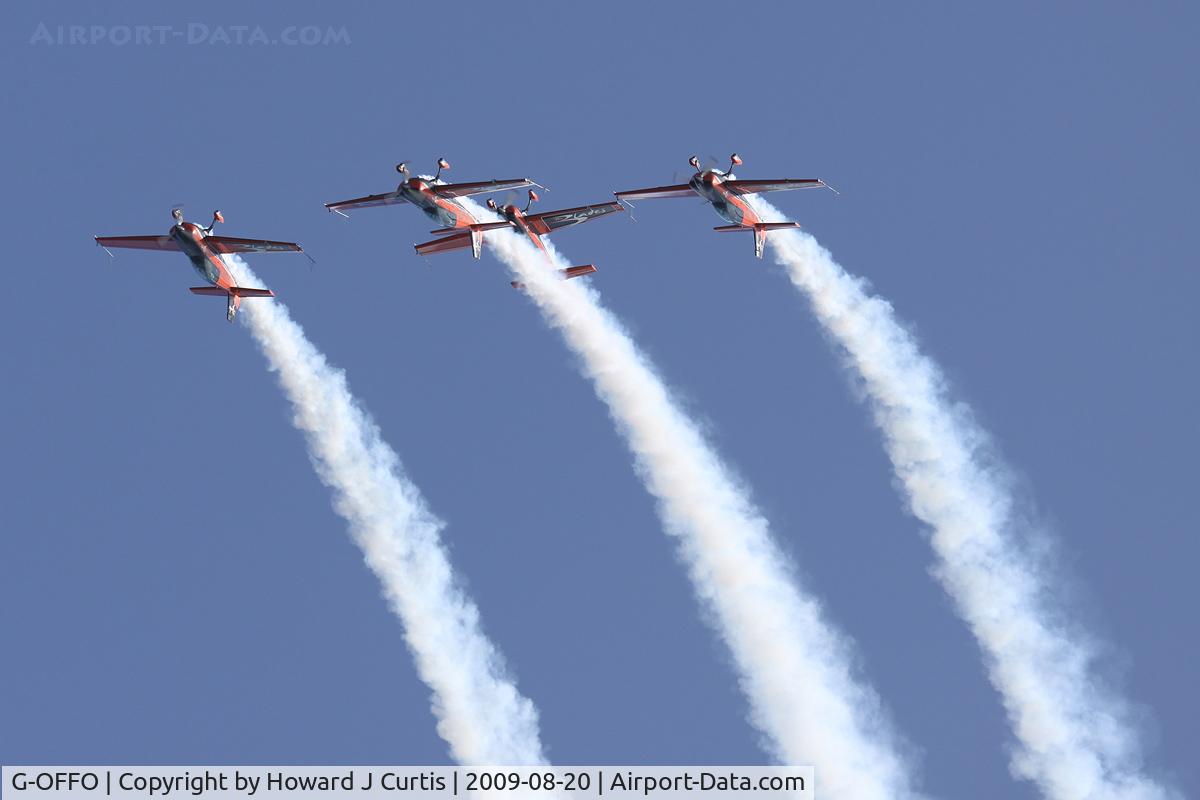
568	273
477	234
760	232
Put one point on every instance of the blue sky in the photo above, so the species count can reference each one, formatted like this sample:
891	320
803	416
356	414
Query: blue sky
175	585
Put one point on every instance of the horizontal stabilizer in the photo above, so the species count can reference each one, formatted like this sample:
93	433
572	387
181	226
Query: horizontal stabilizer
760	232
460	238
236	291
453	242
762	226
478	226
569	272
576	272
490	226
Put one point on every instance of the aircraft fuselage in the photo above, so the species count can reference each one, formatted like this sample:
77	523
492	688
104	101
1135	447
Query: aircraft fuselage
514	215
445	211
190	238
708	184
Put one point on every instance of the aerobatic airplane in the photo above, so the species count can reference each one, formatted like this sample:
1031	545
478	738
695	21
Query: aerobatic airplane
205	251
435	198
535	226
724	191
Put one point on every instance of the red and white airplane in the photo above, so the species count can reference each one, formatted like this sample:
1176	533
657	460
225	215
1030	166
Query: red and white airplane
205	251
535	226
724	191
435	198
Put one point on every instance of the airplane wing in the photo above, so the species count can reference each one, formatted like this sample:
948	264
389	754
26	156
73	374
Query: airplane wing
679	190
457	241
385	199
229	244
479	187
753	187
553	220
138	242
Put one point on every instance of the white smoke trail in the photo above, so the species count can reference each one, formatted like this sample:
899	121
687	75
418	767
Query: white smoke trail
795	669
479	711
1074	737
